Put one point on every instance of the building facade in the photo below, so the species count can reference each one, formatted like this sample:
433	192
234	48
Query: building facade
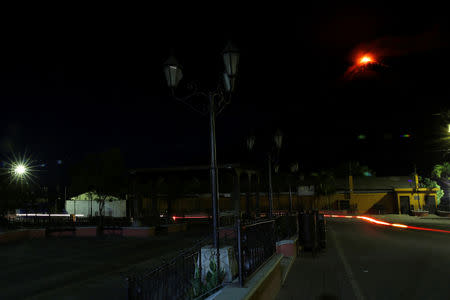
86	204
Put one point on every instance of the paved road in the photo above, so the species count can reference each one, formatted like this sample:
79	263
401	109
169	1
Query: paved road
82	268
366	261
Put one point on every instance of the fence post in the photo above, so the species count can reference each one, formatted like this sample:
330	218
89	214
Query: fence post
130	288
239	240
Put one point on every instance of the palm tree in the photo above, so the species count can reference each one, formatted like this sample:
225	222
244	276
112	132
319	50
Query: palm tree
325	185
354	168
442	171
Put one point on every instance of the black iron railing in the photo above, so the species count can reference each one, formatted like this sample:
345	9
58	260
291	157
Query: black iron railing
227	220
256	244
182	277
286	226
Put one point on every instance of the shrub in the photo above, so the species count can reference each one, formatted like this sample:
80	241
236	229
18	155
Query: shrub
201	287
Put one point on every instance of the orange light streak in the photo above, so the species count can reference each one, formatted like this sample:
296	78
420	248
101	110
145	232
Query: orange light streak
375	221
191	217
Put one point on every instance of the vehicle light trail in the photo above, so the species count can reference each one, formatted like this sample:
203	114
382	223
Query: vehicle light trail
46	215
191	217
375	221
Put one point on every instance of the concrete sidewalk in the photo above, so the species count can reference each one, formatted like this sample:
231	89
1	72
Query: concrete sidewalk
320	277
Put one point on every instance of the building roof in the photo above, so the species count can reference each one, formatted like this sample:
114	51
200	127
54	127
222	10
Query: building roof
371	183
182	168
86	197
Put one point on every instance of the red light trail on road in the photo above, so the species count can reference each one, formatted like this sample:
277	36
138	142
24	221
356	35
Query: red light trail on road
190	217
375	221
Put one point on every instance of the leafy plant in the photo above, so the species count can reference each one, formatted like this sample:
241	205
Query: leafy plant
199	286
431	184
441	171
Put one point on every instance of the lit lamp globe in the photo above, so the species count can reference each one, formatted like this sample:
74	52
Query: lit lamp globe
231	61
278	138
173	73
250	142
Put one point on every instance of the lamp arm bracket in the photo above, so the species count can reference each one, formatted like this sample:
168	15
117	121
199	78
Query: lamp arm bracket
186	101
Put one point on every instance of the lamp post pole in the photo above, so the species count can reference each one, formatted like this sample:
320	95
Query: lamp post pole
294	169
174	74
214	181
269	156
290	199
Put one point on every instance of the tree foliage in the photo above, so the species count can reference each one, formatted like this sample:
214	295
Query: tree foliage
101	173
10	197
441	171
431	184
353	168
324	183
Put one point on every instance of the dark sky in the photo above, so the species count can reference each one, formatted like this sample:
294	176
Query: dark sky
75	80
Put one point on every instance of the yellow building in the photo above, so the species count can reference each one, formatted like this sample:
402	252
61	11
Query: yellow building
373	195
186	189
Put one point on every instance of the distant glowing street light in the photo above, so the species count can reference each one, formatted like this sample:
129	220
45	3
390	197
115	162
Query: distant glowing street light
20	170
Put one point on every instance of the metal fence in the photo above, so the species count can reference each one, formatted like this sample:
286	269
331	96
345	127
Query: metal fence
256	244
286	226
182	277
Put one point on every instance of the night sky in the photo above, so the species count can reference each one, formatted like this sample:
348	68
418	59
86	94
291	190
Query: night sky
84	79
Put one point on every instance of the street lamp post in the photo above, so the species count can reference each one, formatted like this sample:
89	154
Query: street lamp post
294	169
278	139
217	100
269	160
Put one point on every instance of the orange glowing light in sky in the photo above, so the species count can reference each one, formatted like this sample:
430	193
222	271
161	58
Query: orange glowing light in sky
365	59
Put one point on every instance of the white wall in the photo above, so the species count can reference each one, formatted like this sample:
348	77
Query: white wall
305	190
116	208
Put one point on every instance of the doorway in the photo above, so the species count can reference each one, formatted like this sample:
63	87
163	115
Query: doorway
430	202
404	205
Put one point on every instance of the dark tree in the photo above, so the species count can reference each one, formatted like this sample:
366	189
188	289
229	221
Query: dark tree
102	174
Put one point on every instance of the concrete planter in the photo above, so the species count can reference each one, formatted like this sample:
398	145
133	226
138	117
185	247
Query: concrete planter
174	227
36	233
419	213
138	231
228	261
86	231
61	233
263	285
441	213
20	235
118	232
289	248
